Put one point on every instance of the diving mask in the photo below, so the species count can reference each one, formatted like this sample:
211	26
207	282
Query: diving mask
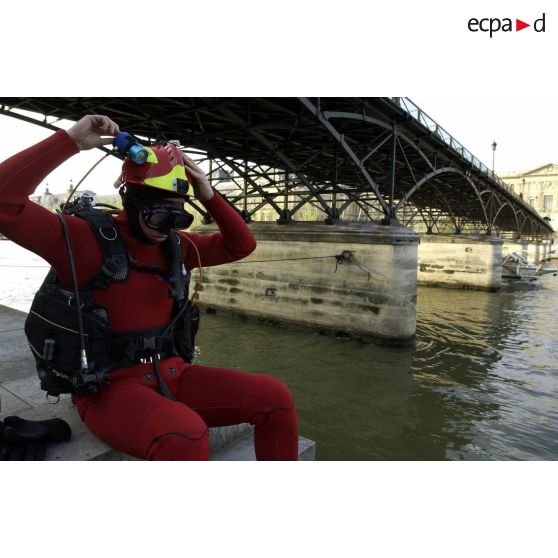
163	217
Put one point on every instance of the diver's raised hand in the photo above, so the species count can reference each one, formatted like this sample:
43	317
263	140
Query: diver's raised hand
89	131
198	179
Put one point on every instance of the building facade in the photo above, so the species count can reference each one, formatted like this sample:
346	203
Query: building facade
539	188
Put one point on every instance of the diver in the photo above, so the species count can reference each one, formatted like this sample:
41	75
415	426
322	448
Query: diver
150	401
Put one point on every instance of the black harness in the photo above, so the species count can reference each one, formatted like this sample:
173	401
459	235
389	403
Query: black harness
52	326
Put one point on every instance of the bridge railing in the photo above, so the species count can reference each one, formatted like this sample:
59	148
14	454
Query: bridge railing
413	110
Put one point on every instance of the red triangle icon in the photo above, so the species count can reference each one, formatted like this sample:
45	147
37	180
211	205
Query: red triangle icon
519	25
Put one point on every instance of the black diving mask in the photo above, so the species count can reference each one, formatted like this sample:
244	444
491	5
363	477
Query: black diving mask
163	217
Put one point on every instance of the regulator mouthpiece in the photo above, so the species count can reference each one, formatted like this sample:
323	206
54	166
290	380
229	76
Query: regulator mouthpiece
128	146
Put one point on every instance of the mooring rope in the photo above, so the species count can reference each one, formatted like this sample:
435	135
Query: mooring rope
286	259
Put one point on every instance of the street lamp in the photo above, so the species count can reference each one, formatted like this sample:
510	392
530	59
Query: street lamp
493	153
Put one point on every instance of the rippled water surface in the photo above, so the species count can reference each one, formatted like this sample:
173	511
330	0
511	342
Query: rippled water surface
481	381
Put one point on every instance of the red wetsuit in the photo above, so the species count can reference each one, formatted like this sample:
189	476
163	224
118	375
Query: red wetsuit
130	414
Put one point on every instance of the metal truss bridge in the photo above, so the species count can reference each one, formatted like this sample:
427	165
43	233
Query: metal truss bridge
319	158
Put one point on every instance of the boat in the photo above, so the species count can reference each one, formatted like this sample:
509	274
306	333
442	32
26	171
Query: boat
517	268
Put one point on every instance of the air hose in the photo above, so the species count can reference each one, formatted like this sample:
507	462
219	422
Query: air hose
83	353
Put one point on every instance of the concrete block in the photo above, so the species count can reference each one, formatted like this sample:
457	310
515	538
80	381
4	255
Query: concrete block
223	436
243	450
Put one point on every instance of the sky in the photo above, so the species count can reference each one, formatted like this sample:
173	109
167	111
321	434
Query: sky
16	135
523	127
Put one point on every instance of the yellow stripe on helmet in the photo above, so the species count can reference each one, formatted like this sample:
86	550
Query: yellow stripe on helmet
151	157
169	181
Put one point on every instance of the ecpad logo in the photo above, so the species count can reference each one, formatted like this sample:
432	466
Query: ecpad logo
494	24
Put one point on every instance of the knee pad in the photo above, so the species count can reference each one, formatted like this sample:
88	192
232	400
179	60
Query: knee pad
177	446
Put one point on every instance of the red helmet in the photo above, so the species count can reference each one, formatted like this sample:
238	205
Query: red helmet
163	170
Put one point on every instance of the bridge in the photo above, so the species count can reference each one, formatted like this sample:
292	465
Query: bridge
368	196
371	159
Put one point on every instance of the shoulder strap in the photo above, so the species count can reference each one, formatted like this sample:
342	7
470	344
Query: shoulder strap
180	278
115	266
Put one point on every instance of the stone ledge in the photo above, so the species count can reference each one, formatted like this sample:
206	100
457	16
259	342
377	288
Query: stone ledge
228	443
345	232
459	239
243	450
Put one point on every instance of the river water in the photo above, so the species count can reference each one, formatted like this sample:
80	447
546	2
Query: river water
481	381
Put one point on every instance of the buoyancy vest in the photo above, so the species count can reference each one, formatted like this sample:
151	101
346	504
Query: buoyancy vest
52	327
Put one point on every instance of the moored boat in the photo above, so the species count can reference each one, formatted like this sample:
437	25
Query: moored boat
517	268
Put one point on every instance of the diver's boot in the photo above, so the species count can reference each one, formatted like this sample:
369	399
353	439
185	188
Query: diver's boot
20	452
22	431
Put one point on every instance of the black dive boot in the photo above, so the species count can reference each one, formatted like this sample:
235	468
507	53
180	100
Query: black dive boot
26	440
22	431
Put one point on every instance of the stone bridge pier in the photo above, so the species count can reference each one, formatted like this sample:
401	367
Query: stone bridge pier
470	261
352	278
356	279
